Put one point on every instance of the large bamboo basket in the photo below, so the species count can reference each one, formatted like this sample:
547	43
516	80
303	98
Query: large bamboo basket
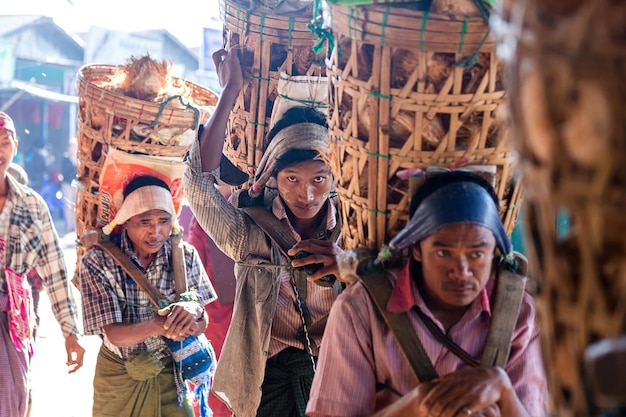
400	102
568	105
106	120
269	45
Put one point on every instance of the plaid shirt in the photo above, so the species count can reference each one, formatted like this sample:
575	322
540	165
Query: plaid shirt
32	242
110	296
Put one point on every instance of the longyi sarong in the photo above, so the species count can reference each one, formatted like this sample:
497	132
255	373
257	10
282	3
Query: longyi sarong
118	394
15	367
287	383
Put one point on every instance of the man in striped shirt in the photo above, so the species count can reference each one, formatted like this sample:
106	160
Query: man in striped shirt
455	238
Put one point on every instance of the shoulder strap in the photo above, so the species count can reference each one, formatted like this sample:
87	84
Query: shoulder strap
508	296
178	262
379	289
282	236
508	299
97	238
271	226
445	339
276	230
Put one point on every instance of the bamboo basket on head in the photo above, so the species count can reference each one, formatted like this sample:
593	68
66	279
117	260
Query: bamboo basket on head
401	101
269	45
565	65
109	119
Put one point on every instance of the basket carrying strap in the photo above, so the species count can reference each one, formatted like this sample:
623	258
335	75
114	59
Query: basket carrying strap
379	289
274	228
508	299
509	291
283	237
178	263
97	238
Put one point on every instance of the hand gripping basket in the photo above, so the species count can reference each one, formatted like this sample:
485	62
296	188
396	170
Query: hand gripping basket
269	45
400	101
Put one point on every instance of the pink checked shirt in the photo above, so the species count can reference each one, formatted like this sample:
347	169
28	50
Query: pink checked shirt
358	351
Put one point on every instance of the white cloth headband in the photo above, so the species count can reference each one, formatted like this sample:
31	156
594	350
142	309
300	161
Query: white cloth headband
150	197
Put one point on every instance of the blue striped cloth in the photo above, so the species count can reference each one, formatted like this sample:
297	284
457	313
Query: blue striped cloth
195	362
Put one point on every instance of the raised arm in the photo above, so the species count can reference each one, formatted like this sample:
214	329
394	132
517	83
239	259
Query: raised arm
230	77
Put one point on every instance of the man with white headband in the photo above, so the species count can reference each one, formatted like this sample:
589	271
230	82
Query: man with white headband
268	359
458	251
134	373
28	240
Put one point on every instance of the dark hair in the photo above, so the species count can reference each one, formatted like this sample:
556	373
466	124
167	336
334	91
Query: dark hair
143	181
295	115
437	181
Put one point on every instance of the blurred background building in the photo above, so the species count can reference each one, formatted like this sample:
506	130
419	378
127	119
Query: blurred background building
39	61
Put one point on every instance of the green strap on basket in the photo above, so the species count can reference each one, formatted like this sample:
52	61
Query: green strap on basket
317	104
376	211
471	61
384	25
379	95
463	32
238	18
423	29
379	155
316	26
196	112
261	27
483	7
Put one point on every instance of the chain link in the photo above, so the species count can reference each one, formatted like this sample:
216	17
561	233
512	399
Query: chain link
308	346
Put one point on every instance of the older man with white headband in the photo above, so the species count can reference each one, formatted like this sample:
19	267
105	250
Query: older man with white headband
135	374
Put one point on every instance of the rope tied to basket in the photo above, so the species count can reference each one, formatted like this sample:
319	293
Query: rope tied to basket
485	13
196	112
316	26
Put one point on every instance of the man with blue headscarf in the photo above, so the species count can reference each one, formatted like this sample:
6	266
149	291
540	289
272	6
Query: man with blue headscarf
457	249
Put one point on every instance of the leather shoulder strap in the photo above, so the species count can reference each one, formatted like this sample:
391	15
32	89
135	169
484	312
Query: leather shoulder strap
509	292
178	262
97	238
508	296
274	228
379	289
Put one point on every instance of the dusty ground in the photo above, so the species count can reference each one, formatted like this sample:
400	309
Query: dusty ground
55	392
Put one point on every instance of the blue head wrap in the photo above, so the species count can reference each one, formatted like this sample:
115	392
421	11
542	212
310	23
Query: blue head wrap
456	202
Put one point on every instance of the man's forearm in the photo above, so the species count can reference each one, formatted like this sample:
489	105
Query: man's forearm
130	334
212	139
